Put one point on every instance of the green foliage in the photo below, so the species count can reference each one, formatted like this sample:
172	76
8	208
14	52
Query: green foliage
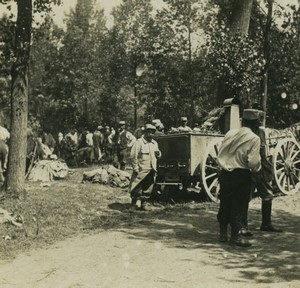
86	73
284	70
237	61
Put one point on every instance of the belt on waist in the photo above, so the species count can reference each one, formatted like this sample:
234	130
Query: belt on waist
243	170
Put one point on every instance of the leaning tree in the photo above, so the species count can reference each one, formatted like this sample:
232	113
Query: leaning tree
14	182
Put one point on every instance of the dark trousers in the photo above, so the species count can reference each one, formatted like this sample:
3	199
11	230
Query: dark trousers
142	183
122	157
235	188
262	181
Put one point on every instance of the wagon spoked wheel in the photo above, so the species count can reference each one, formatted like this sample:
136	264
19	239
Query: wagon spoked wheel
210	171
286	165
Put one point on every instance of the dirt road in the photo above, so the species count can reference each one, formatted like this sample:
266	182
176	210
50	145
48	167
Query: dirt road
180	250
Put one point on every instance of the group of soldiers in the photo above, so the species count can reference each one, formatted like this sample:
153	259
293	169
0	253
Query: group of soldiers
99	145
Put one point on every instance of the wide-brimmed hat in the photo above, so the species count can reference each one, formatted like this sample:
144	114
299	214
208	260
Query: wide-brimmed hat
183	118
251	114
122	122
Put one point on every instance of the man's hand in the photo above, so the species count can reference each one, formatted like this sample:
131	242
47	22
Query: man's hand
157	154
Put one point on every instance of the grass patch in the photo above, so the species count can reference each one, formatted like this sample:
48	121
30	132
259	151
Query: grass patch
68	208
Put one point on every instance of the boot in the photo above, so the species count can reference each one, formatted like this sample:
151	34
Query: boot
143	205
236	239
223	233
266	225
133	205
246	232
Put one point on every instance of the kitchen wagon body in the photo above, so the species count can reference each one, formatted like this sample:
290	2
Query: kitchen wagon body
189	159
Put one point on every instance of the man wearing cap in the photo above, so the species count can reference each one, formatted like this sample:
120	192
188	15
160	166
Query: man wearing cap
144	154
238	157
124	142
262	180
159	127
184	127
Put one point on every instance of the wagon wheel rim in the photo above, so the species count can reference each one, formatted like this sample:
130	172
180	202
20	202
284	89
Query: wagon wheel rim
286	165
210	171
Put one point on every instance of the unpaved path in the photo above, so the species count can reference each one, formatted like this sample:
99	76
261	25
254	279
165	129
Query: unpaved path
178	251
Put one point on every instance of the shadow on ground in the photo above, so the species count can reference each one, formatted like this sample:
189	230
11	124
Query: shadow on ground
273	257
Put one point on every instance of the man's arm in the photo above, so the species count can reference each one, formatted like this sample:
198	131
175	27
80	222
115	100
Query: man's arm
254	160
134	154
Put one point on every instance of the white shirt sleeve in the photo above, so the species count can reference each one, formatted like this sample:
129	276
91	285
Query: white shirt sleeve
254	156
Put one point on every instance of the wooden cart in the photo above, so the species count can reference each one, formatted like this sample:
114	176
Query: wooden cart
189	159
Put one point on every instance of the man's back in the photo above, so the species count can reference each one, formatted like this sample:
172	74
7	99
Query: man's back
240	149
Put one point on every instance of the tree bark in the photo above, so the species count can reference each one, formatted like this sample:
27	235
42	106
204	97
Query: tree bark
264	79
239	26
14	183
241	14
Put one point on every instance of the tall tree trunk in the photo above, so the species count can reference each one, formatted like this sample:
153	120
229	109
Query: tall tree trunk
264	79
239	26
14	183
241	14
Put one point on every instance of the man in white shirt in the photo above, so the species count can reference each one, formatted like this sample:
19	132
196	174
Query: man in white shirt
238	156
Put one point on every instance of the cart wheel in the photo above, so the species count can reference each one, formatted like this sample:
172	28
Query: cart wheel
210	171
286	164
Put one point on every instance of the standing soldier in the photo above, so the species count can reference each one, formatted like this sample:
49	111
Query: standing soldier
111	145
262	180
144	154
124	142
98	139
238	156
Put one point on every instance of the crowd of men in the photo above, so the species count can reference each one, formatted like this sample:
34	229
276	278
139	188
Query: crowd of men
99	145
242	159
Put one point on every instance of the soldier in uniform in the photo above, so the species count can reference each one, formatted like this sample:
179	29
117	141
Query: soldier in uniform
183	127
262	180
144	154
124	142
98	139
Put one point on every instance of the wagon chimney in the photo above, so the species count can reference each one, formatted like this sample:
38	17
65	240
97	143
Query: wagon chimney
232	114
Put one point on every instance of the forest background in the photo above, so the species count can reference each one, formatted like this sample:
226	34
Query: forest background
144	62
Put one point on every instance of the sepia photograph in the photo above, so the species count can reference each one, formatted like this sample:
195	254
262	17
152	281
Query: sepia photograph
149	143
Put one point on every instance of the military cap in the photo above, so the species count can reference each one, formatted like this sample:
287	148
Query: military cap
251	114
